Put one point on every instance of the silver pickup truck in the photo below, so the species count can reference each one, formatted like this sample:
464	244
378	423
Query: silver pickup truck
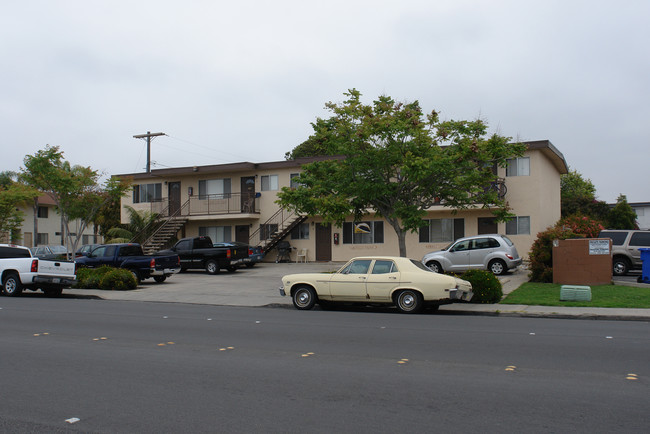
20	270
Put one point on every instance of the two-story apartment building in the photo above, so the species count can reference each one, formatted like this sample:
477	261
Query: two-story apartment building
236	202
42	225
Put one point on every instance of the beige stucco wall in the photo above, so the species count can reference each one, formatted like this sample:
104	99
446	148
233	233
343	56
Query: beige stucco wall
536	196
50	225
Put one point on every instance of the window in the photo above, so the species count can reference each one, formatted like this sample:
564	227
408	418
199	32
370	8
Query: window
42	238
214	188
89	239
270	182
442	230
359	266
518	226
147	193
103	251
363	232
294	180
484	243
267	230
218	234
300	232
42	212
518	167
384	267
640	239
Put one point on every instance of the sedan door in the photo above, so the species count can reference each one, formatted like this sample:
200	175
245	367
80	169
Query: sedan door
382	280
480	249
349	284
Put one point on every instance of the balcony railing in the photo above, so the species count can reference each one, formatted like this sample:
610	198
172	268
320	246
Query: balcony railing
211	204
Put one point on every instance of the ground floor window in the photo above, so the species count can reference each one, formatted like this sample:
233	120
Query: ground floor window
218	234
42	239
518	226
89	239
371	232
487	225
442	230
300	232
267	230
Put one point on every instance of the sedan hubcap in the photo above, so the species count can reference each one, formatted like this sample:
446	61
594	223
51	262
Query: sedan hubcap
303	298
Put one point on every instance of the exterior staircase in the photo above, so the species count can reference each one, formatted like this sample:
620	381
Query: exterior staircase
277	228
160	239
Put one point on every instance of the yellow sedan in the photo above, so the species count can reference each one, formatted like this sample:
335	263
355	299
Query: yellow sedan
406	283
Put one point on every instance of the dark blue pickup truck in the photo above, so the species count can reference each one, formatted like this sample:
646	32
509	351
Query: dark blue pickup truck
130	257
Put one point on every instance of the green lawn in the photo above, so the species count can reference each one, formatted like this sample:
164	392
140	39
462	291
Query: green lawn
548	294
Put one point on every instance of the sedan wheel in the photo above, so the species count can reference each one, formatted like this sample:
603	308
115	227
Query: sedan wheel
498	267
409	301
304	298
434	266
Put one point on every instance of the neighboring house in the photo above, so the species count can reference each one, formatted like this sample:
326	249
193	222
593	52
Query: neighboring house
236	202
44	220
642	210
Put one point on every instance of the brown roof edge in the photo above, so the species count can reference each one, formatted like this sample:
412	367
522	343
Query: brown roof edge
551	152
229	167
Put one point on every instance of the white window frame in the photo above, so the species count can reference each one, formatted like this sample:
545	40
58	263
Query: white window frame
519	225
270	182
518	166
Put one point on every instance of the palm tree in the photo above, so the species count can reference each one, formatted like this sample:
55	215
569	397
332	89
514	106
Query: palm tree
141	226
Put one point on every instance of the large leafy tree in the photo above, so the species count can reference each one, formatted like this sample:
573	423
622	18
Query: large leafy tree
12	194
622	215
578	196
397	162
76	191
141	226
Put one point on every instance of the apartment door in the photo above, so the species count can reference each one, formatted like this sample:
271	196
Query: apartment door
247	194
242	233
174	195
487	225
323	242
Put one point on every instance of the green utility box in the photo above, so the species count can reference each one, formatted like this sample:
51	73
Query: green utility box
575	293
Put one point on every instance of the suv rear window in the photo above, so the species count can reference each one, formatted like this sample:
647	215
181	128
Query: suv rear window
618	238
640	239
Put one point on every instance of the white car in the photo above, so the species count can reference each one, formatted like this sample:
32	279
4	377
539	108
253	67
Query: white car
402	282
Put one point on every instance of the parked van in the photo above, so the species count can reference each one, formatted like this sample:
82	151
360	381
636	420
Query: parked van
625	248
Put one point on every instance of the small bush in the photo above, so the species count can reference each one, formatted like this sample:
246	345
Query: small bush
118	280
485	286
91	278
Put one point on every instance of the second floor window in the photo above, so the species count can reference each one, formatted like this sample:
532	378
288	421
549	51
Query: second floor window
518	167
42	212
294	180
214	188
147	193
270	182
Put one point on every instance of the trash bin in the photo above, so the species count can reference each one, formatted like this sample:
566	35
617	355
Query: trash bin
645	267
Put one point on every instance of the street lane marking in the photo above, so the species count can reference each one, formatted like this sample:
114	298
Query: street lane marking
511	368
307	354
73	420
402	361
41	334
632	377
103	338
226	348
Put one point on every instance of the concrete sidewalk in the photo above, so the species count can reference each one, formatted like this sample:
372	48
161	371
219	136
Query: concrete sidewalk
258	286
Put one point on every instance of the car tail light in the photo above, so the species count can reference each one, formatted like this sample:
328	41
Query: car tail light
510	257
228	254
34	268
250	252
152	263
178	260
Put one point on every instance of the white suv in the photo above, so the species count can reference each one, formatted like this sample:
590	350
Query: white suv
492	252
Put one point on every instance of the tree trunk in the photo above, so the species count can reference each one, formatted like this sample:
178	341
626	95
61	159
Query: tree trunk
401	236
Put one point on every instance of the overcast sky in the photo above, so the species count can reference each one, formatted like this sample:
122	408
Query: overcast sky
241	81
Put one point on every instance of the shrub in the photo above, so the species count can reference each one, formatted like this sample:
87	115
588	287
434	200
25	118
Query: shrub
541	253
485	286
91	278
118	280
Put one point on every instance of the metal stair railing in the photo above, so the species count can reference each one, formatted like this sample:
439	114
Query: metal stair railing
166	221
275	229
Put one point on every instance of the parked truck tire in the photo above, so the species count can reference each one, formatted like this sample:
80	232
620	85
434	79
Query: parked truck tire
211	266
11	285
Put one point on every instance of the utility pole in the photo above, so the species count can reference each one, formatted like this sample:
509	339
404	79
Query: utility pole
148	136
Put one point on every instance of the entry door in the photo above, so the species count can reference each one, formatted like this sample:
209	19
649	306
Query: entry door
174	194
247	194
323	242
242	233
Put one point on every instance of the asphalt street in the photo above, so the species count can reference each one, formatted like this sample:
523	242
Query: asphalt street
87	365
